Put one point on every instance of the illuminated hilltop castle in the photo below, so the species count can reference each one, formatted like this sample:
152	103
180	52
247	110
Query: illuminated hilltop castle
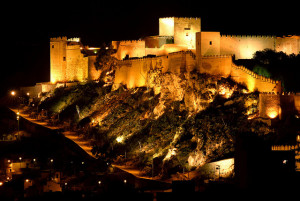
180	48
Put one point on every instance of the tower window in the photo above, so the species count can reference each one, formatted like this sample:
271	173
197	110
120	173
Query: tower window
64	58
52	46
210	42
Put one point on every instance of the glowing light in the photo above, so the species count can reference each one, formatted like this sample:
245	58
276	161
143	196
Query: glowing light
13	93
27	180
120	139
171	152
251	84
99	182
225	91
272	114
1	183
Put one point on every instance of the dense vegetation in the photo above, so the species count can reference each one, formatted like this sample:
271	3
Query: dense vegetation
124	125
278	66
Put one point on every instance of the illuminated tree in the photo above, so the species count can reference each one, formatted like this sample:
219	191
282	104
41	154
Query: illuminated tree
106	63
278	66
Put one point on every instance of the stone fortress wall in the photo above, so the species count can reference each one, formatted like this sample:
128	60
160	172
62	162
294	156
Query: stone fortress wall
68	63
181	46
212	54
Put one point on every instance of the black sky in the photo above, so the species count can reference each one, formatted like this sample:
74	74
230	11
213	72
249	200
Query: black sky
29	25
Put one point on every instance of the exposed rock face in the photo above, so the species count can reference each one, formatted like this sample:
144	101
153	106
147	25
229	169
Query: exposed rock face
186	119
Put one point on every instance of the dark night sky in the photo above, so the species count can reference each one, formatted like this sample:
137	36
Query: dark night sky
29	25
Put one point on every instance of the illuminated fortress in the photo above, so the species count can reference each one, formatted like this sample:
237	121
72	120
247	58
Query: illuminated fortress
180	47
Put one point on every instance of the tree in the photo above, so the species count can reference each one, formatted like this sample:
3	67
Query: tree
278	66
106	63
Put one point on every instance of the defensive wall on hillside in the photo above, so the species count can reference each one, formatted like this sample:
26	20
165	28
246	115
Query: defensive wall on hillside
134	72
273	105
244	46
181	47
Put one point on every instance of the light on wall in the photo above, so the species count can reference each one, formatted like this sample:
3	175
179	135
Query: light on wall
272	114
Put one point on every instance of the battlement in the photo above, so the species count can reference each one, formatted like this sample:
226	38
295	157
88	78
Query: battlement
125	61
248	36
281	94
58	39
285	147
183	52
254	75
218	56
74	40
132	42
181	18
129	60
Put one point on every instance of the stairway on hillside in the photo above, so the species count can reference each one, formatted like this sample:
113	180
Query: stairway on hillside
79	141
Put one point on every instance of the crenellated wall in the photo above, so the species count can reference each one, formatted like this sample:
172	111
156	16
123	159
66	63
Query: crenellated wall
288	44
244	46
215	64
253	81
134	72
129	48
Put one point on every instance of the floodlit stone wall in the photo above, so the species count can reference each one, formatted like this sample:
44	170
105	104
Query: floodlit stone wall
253	81
130	48
58	59
288	44
244	46
77	64
215	65
277	105
134	72
68	63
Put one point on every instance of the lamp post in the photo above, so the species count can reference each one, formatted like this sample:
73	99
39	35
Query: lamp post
18	119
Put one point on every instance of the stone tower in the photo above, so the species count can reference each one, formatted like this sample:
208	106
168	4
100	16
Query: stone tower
58	61
182	29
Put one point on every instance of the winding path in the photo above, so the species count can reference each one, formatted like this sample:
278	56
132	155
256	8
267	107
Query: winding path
83	144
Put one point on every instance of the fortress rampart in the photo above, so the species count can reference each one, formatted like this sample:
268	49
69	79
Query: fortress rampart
181	47
273	105
253	81
68	63
244	46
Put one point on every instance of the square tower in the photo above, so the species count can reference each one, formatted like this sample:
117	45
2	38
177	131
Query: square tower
182	29
58	61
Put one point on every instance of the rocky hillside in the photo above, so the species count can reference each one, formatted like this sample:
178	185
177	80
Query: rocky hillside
178	121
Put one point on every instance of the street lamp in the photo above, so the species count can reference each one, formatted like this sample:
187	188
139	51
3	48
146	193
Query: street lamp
18	119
